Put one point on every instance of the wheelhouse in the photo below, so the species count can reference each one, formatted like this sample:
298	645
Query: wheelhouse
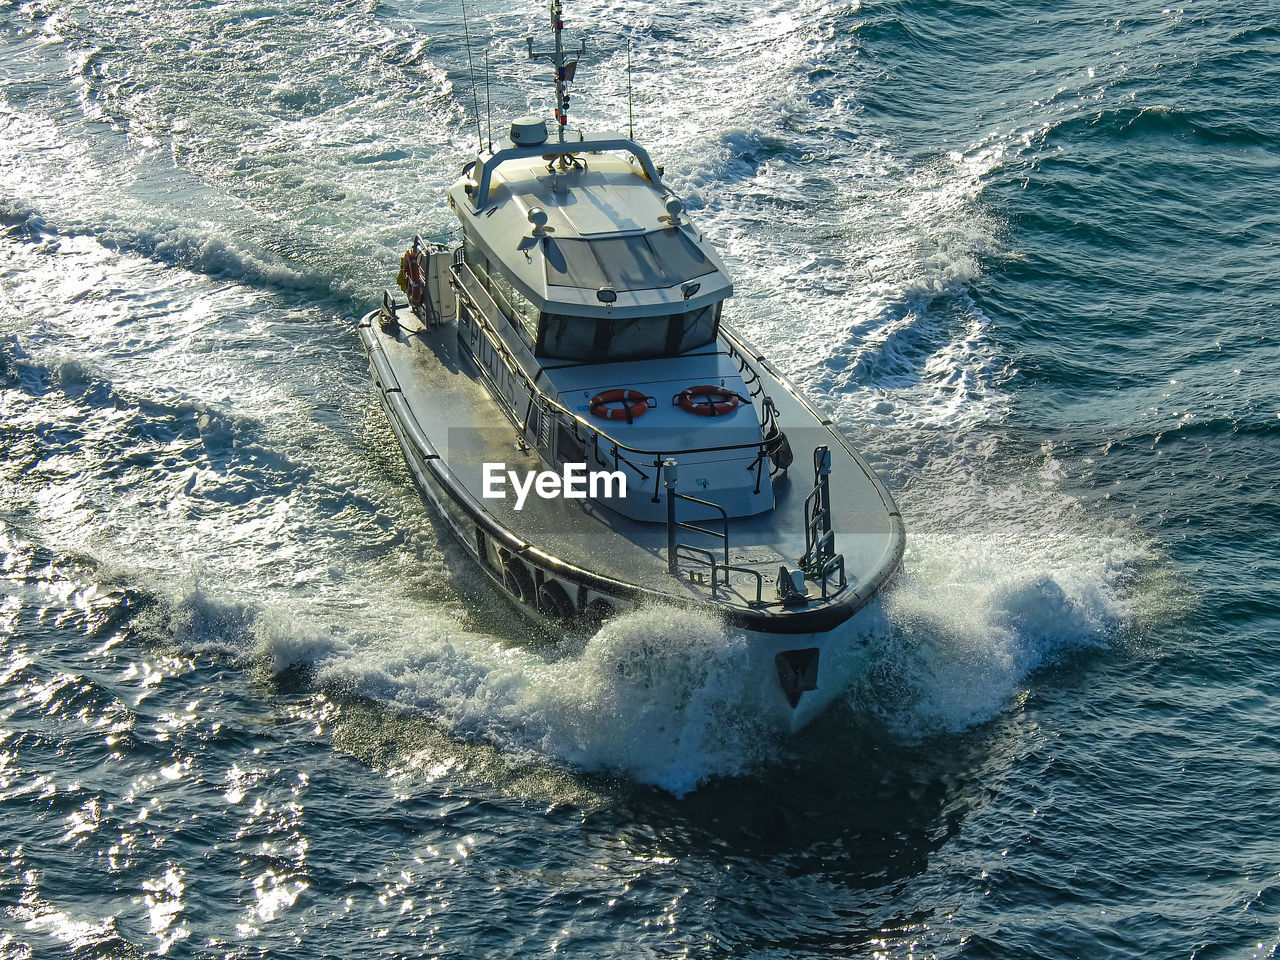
597	337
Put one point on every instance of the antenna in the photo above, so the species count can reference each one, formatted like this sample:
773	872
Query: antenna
564	72
488	103
475	96
631	120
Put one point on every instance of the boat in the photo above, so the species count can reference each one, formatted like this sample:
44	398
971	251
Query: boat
571	397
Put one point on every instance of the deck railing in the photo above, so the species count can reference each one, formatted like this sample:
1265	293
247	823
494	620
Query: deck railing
676	551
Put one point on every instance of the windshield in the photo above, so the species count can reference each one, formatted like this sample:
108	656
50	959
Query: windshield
651	261
606	339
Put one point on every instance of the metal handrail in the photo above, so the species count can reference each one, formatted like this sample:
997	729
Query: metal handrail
759	601
825	573
709	559
705	556
722	535
596	143
746	368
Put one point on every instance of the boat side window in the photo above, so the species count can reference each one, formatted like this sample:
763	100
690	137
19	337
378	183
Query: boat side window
476	260
517	308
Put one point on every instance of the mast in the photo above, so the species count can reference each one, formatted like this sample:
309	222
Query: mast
565	70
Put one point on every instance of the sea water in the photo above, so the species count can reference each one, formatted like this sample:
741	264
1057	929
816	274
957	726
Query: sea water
253	700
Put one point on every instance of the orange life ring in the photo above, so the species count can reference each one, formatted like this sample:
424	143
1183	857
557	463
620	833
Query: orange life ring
633	404
707	401
411	269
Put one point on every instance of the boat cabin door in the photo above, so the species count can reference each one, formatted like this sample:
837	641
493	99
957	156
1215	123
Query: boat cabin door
443	299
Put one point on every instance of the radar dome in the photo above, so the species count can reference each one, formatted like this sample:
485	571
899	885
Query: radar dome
529	131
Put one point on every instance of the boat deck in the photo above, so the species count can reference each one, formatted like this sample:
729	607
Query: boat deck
445	394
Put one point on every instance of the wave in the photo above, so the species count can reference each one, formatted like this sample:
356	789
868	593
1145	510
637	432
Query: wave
1204	126
1000	581
657	695
201	251
1253	34
52	682
211	255
78	378
139	472
926	367
989	598
908	31
1206	430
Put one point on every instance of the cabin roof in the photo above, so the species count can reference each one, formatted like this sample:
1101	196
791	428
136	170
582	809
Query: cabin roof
604	223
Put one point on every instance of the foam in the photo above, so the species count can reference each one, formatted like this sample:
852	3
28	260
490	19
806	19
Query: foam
998	583
213	255
200	618
658	695
654	695
662	695
207	231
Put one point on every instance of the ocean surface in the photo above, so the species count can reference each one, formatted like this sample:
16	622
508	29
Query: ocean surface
253	701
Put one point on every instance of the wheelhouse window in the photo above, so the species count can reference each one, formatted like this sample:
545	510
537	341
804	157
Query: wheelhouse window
476	260
696	328
609	339
518	309
568	338
649	261
637	338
